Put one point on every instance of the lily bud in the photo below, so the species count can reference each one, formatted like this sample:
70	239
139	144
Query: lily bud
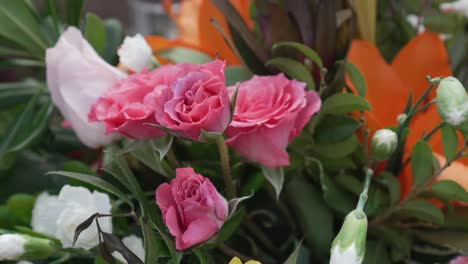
135	53
384	143
349	245
452	102
16	246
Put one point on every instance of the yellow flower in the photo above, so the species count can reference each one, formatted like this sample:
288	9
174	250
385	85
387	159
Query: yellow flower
236	260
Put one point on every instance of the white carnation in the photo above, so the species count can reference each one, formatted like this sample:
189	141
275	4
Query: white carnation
11	246
60	215
135	244
135	53
347	256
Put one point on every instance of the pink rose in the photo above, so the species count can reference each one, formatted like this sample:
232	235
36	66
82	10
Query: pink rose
192	208
459	260
124	107
197	99
270	112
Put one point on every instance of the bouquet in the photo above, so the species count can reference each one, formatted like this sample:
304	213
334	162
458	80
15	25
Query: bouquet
266	132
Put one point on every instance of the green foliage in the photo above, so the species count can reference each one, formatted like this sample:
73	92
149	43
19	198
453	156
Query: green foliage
449	142
423	210
293	69
356	78
20	207
95	32
342	103
335	128
421	163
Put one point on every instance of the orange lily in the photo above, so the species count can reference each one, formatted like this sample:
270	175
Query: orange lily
197	32
389	86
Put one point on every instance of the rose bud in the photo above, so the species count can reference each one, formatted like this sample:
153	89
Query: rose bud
76	77
191	207
18	246
452	102
270	112
350	244
384	143
135	53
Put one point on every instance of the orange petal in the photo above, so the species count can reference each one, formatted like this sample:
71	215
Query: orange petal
424	55
385	90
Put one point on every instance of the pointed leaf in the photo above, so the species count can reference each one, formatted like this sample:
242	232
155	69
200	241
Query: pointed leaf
292	259
356	77
162	145
275	177
95	32
393	186
449	190
112	243
335	128
449	142
234	101
344	103
105	254
234	203
423	210
421	162
83	226
293	69
308	52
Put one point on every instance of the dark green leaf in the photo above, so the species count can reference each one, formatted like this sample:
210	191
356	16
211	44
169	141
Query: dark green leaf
95	32
438	22
83	226
229	227
344	103
292	259
235	74
449	142
349	183
337	150
184	55
421	162
311	215
376	253
106	255
449	190
423	210
293	69
335	128
154	247
16	93
96	182
20	206
392	184
308	52
356	78
74	8
112	243
114	38
145	154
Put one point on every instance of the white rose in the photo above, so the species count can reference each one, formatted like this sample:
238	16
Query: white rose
60	215
135	244
11	246
135	53
76	78
460	7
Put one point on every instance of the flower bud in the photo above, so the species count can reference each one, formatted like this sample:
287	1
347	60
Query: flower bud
16	246
452	102
135	53
401	118
384	143
350	244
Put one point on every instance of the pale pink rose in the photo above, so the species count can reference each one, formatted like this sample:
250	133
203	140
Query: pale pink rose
197	99
459	260
191	207
76	77
123	108
270	112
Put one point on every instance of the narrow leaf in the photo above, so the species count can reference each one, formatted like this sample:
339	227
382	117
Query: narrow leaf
112	243
234	100
393	186
162	145
292	259
344	103
423	210
83	226
357	79
275	177
449	190
105	254
293	69
95	32
308	52
449	142
421	162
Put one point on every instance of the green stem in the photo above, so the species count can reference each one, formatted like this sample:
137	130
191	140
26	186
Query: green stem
172	159
225	167
363	197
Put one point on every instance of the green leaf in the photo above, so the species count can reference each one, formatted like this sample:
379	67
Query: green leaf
397	239
74	8
423	210
344	103
449	142
308	52
292	259
18	25
154	248
421	162
234	101
449	190
114	37
203	256
356	78
146	155
438	22
96	182
393	186
20	205
349	183
235	74
229	227
95	32
162	145
16	93
275	177
339	149
376	253
335	128
184	55
293	69
314	217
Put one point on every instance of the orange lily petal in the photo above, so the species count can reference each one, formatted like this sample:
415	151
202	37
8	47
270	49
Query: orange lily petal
385	90
158	43
424	55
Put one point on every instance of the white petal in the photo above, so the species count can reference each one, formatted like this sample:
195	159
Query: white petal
348	256
135	53
76	77
76	195
11	246
46	211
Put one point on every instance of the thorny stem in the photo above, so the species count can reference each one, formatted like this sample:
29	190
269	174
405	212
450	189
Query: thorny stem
225	167
416	191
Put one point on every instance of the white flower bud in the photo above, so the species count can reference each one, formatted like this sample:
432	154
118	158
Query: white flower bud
401	118
384	143
350	244
135	53
16	246
452	102
460	7
135	244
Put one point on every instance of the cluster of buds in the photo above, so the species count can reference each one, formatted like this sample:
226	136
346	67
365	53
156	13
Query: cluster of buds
452	103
